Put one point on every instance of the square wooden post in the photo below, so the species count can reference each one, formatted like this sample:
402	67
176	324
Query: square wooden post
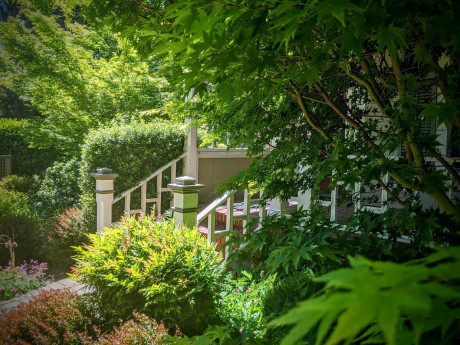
104	197
185	202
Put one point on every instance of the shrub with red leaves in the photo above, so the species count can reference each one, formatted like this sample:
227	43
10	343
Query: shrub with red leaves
139	331
69	228
52	317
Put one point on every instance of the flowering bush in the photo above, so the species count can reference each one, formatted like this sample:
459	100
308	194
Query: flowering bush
139	331
61	317
52	317
24	278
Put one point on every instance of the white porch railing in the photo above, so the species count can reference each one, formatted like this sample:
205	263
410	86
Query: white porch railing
228	197
158	175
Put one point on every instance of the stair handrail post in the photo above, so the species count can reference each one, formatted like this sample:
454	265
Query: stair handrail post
185	200
191	147
104	197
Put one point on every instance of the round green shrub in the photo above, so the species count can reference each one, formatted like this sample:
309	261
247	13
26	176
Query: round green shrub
166	272
59	188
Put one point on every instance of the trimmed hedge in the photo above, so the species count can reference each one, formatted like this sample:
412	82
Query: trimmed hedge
133	151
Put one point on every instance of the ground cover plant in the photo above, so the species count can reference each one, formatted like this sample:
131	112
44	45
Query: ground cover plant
18	280
166	272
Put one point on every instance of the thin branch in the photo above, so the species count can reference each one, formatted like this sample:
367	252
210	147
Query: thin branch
344	116
148	8
378	101
144	5
445	164
314	99
390	193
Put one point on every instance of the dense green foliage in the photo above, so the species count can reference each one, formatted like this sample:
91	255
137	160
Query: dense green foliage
241	307
345	91
58	188
25	161
382	302
286	244
18	222
166	272
284	295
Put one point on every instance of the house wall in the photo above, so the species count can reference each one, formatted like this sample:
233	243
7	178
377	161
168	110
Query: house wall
214	169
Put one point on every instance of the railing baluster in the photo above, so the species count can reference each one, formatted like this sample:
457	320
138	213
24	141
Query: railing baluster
246	209
334	203
211	226
229	221
127	203
144	197
159	182
173	172
262	208
357	196
384	198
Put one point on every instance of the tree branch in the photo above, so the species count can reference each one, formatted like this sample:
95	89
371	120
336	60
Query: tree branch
309	117
445	164
148	8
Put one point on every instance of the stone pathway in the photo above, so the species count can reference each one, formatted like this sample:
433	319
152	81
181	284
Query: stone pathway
66	283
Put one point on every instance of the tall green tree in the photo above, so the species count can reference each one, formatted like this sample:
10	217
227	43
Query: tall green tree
77	79
300	75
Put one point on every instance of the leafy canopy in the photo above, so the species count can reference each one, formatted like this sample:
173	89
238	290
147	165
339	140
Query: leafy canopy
321	81
76	78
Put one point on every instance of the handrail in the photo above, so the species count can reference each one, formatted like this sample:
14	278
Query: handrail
212	206
164	167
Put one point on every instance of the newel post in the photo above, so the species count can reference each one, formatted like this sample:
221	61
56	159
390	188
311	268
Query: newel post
104	197
185	203
191	147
